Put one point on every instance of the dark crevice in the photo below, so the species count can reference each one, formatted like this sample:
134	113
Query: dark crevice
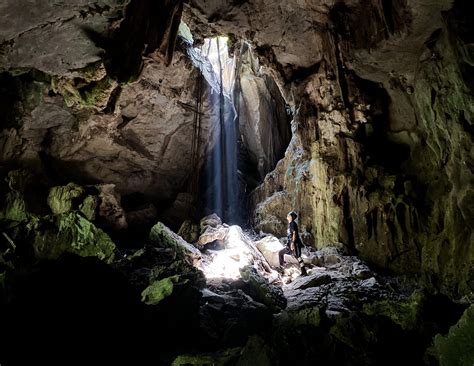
346	206
113	100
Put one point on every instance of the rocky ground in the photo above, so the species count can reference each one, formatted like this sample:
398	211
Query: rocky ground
212	299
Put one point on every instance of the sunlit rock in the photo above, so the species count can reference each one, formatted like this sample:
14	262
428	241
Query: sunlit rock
270	246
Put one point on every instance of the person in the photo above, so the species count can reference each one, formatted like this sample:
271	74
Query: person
294	243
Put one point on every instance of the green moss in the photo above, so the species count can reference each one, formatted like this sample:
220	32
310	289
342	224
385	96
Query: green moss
73	233
405	313
159	290
60	199
457	347
223	358
163	237
186	271
15	208
89	206
98	94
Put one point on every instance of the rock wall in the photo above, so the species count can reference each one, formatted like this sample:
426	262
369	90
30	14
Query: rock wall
381	158
263	120
80	102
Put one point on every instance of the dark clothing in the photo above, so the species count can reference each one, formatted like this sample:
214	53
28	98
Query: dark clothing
292	228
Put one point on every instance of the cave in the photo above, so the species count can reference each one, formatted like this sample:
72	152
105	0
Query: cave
155	156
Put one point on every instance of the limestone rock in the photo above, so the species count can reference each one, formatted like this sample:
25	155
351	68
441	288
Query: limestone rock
110	212
312	280
15	207
270	246
189	232
213	234
211	220
456	347
60	199
162	236
260	290
72	233
89	206
159	290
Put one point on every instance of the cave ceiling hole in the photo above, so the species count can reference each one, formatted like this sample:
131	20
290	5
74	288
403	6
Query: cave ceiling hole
249	124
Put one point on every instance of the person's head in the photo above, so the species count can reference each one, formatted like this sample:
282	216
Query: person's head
291	216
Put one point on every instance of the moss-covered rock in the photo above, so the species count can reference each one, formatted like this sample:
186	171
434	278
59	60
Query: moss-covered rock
60	199
227	357
70	232
159	290
162	236
186	271
88	207
15	207
457	347
405	313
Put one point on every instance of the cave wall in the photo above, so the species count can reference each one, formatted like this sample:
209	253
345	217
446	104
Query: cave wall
89	92
380	160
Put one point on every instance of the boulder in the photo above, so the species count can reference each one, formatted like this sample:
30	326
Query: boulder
189	231
111	214
259	289
162	236
211	220
269	246
15	207
213	234
312	280
158	290
60	199
89	207
71	233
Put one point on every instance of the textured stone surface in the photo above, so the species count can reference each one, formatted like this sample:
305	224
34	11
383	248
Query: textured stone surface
381	158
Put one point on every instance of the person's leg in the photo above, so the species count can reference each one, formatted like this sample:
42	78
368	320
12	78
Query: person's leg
300	260
281	255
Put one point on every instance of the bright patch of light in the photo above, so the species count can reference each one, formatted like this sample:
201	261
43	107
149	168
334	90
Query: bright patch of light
215	50
226	263
185	33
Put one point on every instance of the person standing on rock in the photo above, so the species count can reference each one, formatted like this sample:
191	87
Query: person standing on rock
294	243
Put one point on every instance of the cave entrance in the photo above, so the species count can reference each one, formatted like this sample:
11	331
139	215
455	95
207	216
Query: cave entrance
249	126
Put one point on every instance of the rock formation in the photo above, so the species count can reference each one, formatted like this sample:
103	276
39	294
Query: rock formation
357	114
